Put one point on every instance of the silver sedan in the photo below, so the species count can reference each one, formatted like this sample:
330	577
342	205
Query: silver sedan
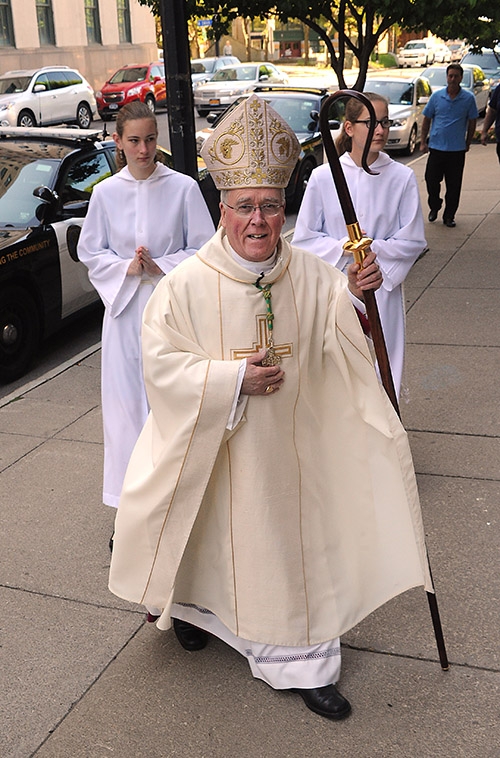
407	98
233	81
474	81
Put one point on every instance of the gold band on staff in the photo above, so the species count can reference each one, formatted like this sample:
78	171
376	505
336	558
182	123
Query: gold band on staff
357	244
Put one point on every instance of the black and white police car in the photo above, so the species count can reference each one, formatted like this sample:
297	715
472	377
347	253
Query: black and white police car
46	180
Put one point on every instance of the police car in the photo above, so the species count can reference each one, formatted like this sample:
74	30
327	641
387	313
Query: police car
46	180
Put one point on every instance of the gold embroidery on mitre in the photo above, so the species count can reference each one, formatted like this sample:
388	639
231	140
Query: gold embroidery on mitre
281	144
252	147
229	148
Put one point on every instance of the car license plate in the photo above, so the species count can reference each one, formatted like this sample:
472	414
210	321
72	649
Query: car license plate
214	101
113	107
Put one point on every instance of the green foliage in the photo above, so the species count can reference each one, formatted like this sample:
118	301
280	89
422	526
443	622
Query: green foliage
384	60
358	27
477	22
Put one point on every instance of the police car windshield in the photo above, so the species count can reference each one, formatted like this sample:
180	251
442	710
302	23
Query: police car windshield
18	178
9	85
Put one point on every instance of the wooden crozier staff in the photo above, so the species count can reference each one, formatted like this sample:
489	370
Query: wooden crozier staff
359	246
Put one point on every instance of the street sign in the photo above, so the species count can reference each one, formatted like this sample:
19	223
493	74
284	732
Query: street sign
204	22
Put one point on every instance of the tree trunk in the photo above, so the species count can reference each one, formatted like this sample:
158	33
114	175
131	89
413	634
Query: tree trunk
306	43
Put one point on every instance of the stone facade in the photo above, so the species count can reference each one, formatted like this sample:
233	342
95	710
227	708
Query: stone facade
96	61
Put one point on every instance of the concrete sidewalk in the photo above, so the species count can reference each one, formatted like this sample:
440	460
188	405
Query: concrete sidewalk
83	675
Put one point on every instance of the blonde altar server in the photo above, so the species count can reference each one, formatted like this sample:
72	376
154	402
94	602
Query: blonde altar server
389	212
270	499
141	223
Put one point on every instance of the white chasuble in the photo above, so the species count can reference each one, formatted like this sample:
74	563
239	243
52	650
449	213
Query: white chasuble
305	517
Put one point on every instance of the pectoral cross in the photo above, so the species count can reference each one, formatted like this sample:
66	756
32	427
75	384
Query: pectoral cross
264	339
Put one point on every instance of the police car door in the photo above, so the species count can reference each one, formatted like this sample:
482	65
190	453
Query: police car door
80	179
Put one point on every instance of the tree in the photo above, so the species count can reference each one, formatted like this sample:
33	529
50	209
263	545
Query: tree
479	26
369	22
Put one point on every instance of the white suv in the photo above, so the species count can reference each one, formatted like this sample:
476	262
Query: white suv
416	52
48	95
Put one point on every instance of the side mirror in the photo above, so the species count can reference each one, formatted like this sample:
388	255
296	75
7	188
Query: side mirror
49	202
45	194
39	88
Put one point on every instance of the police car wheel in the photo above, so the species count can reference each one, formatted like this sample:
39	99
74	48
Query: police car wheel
19	332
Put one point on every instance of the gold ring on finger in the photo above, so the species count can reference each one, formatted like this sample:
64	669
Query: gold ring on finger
269	388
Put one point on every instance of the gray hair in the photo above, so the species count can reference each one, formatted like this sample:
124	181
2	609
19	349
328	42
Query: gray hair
224	193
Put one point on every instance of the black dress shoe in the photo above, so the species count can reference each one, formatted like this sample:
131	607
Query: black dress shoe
433	215
449	222
190	637
325	701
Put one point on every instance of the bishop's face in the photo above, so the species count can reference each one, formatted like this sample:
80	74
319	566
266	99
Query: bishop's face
254	236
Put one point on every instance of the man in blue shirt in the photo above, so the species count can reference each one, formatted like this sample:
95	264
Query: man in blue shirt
492	115
451	115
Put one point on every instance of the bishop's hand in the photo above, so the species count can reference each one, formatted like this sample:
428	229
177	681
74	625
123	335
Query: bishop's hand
261	380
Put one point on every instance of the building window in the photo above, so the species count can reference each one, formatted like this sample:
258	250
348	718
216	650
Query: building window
92	22
123	8
6	28
45	20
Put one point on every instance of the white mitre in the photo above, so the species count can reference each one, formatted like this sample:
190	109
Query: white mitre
252	147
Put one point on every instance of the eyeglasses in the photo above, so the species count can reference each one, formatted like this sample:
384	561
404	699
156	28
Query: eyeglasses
267	209
385	123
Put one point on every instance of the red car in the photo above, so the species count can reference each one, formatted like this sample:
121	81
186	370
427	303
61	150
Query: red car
144	82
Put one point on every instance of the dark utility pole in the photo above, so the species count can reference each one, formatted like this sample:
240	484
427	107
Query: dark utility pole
176	55
215	21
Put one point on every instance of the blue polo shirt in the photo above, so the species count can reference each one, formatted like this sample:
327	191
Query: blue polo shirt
450	118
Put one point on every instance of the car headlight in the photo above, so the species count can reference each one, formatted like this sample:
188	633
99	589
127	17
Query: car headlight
399	122
6	106
134	91
98	93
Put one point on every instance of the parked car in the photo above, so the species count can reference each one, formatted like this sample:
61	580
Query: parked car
407	98
46	180
457	51
203	69
488	60
46	95
231	82
416	52
144	82
442	54
299	107
474	81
